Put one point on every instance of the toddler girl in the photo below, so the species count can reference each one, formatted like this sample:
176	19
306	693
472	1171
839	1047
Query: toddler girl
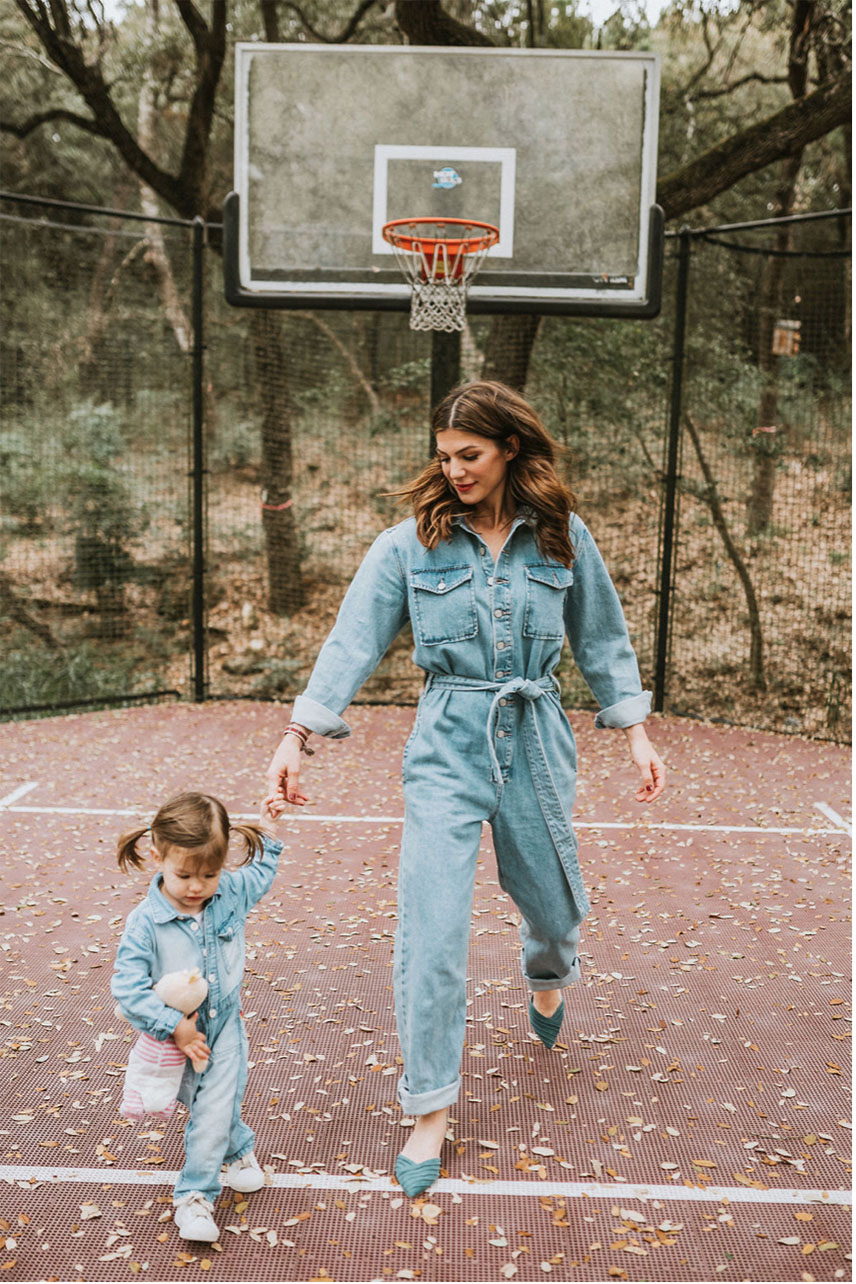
193	917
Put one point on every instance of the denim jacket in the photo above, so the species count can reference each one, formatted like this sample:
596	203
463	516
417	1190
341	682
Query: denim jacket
479	621
159	938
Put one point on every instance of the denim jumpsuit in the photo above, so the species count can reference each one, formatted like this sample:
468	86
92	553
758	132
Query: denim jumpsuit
490	743
159	938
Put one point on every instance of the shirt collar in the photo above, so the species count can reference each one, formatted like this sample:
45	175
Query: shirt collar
524	516
161	909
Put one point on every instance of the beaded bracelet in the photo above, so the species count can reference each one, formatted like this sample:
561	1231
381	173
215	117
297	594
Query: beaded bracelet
302	736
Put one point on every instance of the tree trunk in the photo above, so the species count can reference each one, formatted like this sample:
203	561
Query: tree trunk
285	586
710	495
425	22
97	308
766	441
156	254
508	349
767	437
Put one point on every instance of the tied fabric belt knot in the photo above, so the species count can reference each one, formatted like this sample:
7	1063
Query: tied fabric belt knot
551	804
528	689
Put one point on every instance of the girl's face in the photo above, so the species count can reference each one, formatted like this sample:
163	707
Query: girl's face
475	466
187	883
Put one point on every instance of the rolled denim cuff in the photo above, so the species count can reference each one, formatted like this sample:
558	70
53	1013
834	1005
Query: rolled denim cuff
422	1103
318	718
558	983
626	713
164	1027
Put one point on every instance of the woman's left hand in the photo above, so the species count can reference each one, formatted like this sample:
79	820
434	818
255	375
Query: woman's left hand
649	763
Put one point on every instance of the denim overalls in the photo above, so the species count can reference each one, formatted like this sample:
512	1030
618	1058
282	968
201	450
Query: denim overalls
159	938
490	743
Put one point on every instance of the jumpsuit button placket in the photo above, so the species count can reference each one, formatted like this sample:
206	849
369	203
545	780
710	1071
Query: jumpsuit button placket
503	644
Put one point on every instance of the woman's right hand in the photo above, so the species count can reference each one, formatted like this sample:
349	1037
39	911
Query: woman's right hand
283	778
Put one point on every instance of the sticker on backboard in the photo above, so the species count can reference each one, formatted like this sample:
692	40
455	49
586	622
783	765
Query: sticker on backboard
447	178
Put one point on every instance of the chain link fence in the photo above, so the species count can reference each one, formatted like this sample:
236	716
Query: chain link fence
760	619
311	419
93	465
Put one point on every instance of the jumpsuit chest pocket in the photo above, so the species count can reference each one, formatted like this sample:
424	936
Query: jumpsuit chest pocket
444	605
545	601
230	946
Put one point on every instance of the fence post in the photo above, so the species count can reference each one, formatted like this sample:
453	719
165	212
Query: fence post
198	469
671	492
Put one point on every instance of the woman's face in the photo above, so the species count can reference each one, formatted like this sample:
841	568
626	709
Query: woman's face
475	466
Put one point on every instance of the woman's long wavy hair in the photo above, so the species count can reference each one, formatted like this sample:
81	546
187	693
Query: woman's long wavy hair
490	409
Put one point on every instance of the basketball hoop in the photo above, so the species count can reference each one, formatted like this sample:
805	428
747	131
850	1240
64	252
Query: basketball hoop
439	267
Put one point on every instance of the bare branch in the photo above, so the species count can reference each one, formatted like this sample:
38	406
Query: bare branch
350	360
347	31
710	494
59	12
530	25
270	21
194	22
738	84
194	157
21	51
425	22
45	117
780	135
735	48
16	610
713	48
186	192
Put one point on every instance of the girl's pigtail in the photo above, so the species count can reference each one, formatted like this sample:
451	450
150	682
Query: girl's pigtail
126	852
253	838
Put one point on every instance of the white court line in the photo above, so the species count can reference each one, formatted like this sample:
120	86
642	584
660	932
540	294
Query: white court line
834	817
327	1181
18	793
398	820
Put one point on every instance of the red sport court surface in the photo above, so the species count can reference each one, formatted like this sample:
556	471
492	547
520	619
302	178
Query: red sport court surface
692	1123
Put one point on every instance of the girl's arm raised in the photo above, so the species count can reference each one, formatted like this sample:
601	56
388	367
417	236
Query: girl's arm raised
253	880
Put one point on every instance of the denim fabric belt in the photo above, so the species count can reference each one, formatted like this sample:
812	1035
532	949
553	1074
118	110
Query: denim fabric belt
530	691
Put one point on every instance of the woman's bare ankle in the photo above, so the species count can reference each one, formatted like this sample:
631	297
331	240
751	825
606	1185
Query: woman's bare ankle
547	1002
426	1138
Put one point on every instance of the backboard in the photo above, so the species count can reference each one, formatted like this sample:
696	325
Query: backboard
557	148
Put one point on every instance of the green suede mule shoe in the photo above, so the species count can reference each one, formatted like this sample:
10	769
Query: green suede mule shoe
547	1028
415	1178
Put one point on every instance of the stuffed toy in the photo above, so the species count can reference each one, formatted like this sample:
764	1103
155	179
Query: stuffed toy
155	1066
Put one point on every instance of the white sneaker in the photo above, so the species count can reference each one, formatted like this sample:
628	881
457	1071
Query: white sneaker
244	1174
194	1218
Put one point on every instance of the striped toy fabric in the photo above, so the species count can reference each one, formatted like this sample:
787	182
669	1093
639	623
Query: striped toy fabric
152	1079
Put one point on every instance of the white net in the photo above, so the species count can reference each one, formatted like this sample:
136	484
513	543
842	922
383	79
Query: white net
438	305
440	275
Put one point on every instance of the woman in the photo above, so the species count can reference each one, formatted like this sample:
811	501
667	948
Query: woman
492	571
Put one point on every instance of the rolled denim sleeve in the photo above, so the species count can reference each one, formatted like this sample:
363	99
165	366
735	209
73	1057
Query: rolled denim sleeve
373	612
251	882
131	983
597	632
